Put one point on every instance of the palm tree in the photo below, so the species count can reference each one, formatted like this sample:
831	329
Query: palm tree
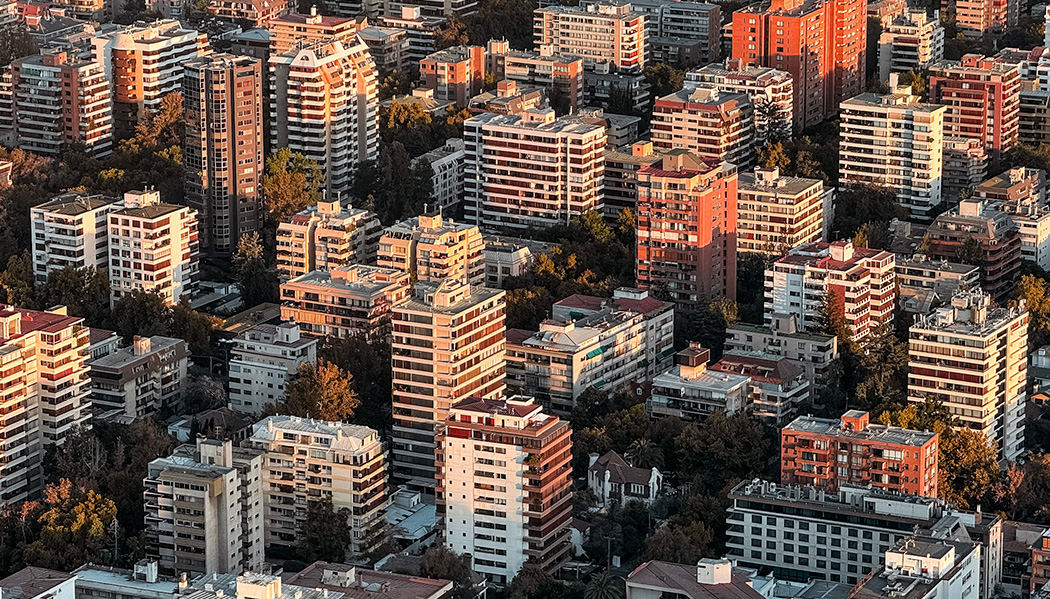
604	586
644	454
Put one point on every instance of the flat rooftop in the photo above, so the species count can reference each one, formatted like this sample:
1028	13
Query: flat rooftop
873	432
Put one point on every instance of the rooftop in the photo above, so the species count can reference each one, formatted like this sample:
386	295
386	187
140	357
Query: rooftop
75	203
341	436
872	432
30	582
684	580
126	356
619	470
565	124
359	583
355	277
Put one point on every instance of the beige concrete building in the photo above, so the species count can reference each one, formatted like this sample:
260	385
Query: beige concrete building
621	175
152	247
45	392
434	249
204	510
775	213
325	237
139	381
71	230
345	301
448	345
911	42
597	33
532	181
308	459
325	106
974	359
894	141
289	30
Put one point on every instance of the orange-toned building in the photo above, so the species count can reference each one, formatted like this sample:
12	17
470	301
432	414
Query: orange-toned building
822	45
983	100
456	74
687	227
828	452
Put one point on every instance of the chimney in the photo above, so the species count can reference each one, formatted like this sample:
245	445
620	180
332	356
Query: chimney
591	459
141	346
714	571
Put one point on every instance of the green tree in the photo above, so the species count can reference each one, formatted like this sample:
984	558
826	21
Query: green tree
644	454
73	527
325	534
773	155
680	544
256	280
592	223
369	361
620	101
604	586
396	83
291	183
858	205
441	562
16	43
84	292
706	325
1035	294
191	326
323	391
971	252
17	281
663	79
773	125
454	33
723	449
141	313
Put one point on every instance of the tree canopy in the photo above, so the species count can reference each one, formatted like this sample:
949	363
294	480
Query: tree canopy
323	391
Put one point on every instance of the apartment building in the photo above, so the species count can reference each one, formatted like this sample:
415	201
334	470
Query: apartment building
422	29
144	379
911	165
989	394
329	235
388	47
992	238
343	462
346	301
813	352
144	62
343	578
707	578
927	567
591	342
691	391
456	74
939	276
433	8
621	176
547	169
859	281
691	262
762	85
614	481
518	461
42	367
911	42
713	124
775	213
821	44
560	73
263	360
1033	127
257	12
1040	558
778	386
965	166
434	249
70	230
153	247
204	511
455	334
982	99
325	106
508	257
801	533
223	148
976	18
291	30
828	452
673	24
1021	192
60	99
598	33
449	165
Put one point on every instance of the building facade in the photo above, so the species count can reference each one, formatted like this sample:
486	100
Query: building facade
775	213
434	249
139	381
347	301
982	98
814	352
597	33
713	124
326	236
70	230
762	85
975	231
692	392
911	42
263	360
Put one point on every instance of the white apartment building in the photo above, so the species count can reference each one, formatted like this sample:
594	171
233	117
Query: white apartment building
45	393
71	230
263	360
894	141
454	333
928	567
434	249
325	105
775	212
328	235
204	509
306	459
448	164
515	464
983	383
591	342
597	33
861	281
692	392
142	379
911	42
152	247
763	85
547	169
1021	192
509	257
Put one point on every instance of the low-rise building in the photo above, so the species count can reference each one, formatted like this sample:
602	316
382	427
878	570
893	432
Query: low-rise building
775	212
1021	192
507	257
142	379
422	30
591	342
691	391
814	352
432	248
142	582
263	360
926	567
204	509
965	165
562	74
778	386
32	582
306	459
828	452
708	579
388	47
614	481
448	165
326	236
70	230
939	276
345	301
357	582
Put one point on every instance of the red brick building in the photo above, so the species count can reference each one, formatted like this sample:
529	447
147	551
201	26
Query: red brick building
826	452
822	45
687	228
